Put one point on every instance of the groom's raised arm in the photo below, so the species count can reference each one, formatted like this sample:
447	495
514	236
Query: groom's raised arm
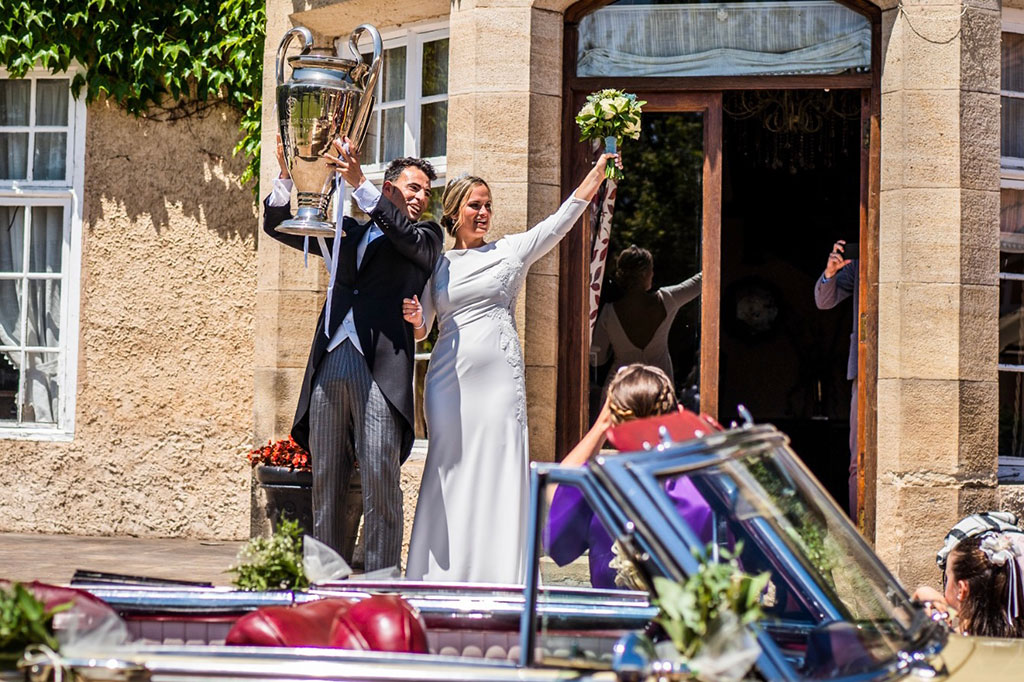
420	242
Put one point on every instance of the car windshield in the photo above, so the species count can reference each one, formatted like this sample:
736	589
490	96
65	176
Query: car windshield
830	605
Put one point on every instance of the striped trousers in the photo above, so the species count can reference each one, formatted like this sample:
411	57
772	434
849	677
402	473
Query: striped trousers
351	421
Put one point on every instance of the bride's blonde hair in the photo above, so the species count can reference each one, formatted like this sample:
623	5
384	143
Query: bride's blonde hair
455	197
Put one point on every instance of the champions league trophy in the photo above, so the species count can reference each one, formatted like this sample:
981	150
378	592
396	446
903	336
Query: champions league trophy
328	97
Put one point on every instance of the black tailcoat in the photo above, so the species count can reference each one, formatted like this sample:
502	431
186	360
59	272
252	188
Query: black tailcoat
395	266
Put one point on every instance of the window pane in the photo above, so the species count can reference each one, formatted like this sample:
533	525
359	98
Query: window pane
1013	62
393	79
14	98
433	209
1011	130
370	153
9	363
1011	316
13	156
1011	229
42	324
434	129
435	67
12	238
394	134
50	159
10	312
52	102
47	245
40	392
1011	414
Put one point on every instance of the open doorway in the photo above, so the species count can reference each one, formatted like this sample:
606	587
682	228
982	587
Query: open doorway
658	224
790	189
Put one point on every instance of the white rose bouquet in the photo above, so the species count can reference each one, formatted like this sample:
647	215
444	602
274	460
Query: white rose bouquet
611	116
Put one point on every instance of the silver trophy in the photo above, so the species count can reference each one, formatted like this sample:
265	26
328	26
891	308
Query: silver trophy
327	97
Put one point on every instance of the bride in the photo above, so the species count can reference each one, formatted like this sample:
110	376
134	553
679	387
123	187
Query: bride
470	523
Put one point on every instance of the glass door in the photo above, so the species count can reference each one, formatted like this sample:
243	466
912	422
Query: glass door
661	306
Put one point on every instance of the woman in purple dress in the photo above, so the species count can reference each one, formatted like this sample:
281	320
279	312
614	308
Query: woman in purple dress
636	391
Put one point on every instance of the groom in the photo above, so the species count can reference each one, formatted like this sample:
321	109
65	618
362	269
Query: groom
356	403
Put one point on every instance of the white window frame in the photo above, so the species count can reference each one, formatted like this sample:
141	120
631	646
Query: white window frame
67	193
412	37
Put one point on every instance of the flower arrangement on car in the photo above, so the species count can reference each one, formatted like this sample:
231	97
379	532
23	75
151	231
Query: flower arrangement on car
282	453
705	617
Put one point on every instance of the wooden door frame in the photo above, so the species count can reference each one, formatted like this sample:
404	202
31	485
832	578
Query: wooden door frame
574	260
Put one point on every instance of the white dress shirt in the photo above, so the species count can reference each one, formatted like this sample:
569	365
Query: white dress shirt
366	196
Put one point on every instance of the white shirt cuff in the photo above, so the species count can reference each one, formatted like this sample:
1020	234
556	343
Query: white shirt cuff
281	195
366	196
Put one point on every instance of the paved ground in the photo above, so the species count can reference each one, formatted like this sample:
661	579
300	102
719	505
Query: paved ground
54	558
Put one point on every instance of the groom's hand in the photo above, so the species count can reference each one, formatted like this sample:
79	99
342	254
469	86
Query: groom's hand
346	163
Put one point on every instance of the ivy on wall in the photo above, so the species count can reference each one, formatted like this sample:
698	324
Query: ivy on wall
159	60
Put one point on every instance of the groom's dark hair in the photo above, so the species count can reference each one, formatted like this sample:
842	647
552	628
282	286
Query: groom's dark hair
396	167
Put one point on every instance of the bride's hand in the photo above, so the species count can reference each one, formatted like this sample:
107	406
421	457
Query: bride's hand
412	311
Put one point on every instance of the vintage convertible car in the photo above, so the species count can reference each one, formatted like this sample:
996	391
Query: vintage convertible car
833	611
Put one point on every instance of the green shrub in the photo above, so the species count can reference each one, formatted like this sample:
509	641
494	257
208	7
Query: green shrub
274	563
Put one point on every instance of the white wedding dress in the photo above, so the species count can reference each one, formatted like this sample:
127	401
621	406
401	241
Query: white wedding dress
470	523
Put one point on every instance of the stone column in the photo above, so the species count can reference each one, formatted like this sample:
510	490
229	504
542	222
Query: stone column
288	295
938	287
504	124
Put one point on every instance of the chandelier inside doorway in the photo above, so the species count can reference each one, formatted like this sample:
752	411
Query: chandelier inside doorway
794	129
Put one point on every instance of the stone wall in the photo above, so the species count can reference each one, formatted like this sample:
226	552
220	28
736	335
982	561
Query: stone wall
164	395
939	217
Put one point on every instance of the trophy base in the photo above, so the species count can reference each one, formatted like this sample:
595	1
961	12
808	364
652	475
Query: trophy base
308	228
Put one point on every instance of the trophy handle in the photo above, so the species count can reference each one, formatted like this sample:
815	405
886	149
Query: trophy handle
307	44
362	115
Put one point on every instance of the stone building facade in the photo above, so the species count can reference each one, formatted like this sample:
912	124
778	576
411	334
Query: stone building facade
129	278
929	230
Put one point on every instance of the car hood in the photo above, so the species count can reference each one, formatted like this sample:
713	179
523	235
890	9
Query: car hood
983	658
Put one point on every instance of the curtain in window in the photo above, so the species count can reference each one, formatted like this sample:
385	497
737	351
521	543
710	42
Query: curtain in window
723	39
14	110
41	301
42	315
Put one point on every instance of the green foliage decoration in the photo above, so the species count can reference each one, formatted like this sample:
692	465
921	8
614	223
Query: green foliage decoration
153	59
690	611
24	621
274	563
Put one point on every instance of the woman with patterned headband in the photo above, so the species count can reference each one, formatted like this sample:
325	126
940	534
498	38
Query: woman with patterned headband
984	581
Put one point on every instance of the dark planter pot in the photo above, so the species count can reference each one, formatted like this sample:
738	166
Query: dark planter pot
289	492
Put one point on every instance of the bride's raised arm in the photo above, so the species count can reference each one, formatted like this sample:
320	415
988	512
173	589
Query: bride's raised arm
543	237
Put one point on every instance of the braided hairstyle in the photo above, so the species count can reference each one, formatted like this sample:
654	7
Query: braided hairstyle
455	197
639	391
632	265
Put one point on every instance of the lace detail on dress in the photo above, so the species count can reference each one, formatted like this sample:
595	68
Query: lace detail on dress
510	274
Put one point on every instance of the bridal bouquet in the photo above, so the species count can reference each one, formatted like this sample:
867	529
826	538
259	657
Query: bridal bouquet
611	116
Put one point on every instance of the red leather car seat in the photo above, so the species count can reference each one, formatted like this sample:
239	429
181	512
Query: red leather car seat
382	622
681	426
375	623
